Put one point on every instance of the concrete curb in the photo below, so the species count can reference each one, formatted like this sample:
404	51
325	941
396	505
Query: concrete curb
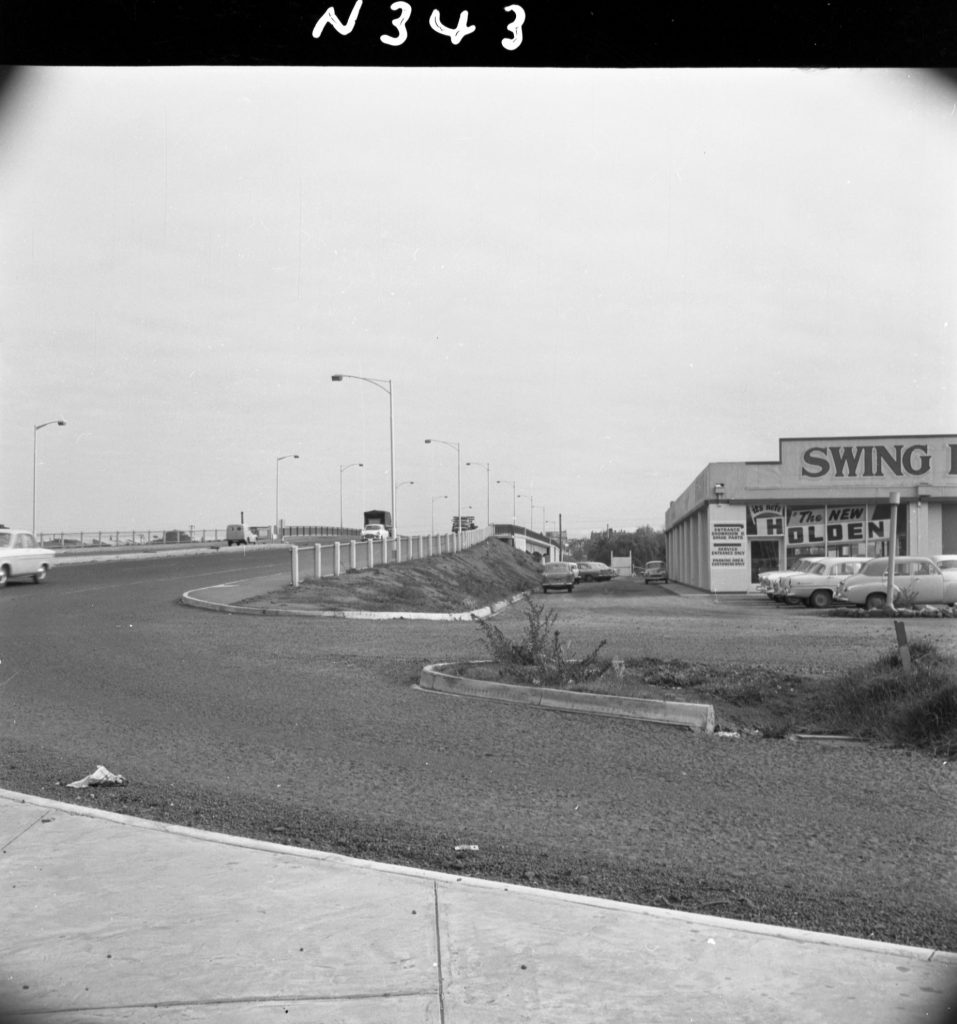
311	613
697	717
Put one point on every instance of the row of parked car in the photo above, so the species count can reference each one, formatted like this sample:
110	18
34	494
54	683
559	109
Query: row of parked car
566	575
819	582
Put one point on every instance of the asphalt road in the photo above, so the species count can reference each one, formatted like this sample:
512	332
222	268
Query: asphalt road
311	732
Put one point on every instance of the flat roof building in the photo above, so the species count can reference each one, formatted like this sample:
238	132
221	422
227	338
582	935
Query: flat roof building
823	496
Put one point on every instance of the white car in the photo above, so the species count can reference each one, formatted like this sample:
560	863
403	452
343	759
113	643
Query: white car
817	586
770	579
21	557
374	531
916	581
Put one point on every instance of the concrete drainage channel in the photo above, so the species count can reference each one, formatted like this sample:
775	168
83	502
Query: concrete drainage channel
440	678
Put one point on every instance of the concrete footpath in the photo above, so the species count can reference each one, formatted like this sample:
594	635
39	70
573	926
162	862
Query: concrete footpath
109	918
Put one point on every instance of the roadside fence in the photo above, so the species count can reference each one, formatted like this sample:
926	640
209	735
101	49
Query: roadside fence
138	538
319	560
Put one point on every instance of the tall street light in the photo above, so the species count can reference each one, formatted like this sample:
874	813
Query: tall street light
342	470
402	483
278	460
36	429
531	509
512	482
386	386
458	460
437	497
488	495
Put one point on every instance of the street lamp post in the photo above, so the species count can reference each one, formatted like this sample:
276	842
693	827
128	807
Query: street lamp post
512	482
402	483
531	509
386	386
437	497
458	460
36	429
488	495
278	460
342	470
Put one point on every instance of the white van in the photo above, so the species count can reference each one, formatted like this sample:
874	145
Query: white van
238	533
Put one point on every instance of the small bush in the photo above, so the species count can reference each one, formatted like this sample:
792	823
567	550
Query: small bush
539	655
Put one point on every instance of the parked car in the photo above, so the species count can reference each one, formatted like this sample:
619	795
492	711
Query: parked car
176	537
816	587
374	531
916	581
21	557
769	577
595	572
574	568
947	564
655	572
557	576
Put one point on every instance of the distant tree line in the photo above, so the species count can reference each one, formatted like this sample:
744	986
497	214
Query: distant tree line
645	544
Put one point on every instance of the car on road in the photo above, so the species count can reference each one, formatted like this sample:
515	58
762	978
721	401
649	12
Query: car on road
947	564
595	572
374	531
558	576
655	572
239	533
22	558
816	587
916	581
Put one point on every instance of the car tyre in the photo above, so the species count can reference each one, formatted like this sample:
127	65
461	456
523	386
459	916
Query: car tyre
4	575
876	602
40	575
819	599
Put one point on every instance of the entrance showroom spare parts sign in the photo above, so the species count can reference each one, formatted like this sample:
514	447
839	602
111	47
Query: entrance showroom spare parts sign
727	545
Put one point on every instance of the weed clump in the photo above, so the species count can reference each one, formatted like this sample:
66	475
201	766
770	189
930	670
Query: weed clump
883	702
539	656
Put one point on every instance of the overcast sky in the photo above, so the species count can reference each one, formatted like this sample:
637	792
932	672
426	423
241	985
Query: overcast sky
596	281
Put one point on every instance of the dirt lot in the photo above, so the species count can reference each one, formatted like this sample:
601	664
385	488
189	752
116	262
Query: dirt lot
854	840
311	732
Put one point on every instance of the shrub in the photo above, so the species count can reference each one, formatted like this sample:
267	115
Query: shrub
883	702
540	655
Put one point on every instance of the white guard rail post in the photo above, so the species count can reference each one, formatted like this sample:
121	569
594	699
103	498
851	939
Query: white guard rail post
294	553
318	550
337	559
353	563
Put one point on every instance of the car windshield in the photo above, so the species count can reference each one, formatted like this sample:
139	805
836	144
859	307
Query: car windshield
5	539
818	570
947	563
654	565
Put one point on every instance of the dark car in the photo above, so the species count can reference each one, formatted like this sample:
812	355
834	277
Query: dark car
656	572
595	572
557	576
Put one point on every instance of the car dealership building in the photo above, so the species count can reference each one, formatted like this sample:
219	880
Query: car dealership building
822	496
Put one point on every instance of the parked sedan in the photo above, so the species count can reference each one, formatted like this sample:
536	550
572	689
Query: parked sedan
592	572
374	531
557	576
816	587
22	557
916	581
770	577
655	572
